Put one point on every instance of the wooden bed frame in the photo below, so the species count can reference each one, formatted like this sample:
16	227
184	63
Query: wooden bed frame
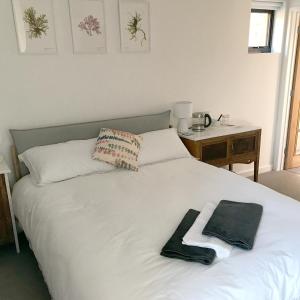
16	163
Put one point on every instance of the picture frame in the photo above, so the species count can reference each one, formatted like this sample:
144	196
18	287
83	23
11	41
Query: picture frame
135	25
35	27
88	26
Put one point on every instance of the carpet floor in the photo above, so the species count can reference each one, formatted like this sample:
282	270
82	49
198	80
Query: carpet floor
284	182
21	279
295	170
20	276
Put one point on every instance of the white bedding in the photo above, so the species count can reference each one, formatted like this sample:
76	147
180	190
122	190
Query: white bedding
99	237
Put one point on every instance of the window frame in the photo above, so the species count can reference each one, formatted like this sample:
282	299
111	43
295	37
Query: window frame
268	48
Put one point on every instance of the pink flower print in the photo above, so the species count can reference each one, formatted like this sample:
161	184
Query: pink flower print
90	25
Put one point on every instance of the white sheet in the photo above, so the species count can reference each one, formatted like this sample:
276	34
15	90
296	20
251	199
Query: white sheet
98	237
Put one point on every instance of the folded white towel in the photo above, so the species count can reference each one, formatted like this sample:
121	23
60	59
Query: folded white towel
194	236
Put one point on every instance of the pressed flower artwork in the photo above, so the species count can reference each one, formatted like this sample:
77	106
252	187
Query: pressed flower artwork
88	26
135	25
35	26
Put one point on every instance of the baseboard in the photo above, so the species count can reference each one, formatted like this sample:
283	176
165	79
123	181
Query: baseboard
249	172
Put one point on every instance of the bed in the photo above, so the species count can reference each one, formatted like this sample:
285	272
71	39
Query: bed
99	236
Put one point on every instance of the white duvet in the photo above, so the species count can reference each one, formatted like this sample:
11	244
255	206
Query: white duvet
99	237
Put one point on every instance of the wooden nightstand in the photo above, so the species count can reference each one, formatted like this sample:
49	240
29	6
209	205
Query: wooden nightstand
8	230
221	146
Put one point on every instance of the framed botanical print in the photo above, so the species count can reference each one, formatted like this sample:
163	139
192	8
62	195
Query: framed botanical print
88	26
135	25
35	28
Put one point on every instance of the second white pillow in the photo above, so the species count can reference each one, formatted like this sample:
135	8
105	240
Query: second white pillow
161	145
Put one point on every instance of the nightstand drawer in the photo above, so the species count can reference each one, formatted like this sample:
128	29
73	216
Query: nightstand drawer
243	145
8	228
214	151
2	232
6	232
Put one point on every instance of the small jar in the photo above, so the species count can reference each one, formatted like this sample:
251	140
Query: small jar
225	120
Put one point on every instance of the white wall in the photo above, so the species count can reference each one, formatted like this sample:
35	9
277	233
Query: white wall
199	53
294	3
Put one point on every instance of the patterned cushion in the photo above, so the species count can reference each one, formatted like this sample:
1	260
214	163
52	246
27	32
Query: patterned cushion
118	148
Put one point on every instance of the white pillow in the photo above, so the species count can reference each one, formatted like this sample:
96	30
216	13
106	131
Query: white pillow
62	161
161	145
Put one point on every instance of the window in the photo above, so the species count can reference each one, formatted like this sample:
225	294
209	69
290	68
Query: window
261	31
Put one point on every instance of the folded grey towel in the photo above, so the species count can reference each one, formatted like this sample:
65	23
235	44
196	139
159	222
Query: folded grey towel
235	223
175	249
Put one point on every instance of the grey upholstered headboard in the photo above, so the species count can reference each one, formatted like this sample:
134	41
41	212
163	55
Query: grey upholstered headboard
28	138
